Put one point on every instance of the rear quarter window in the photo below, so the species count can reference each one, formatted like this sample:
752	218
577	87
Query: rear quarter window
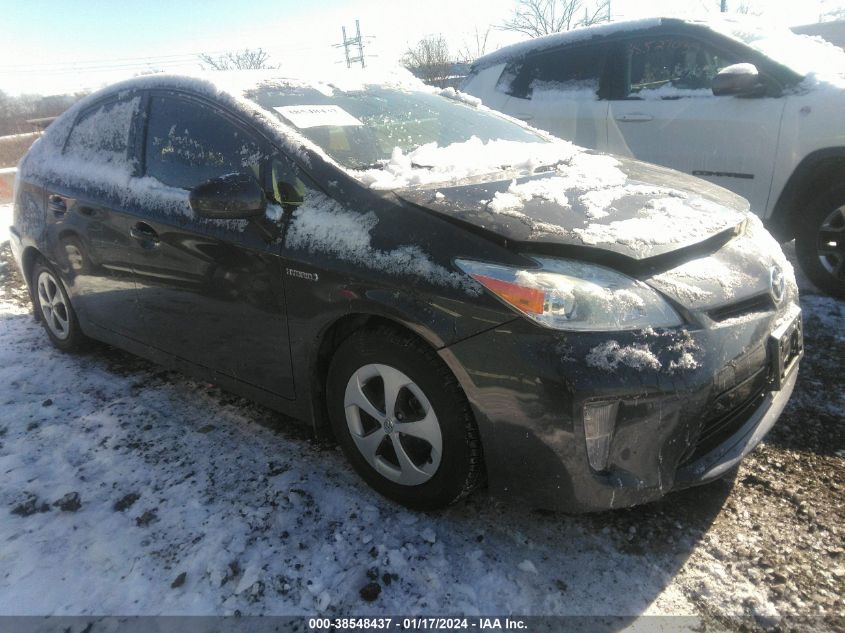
101	134
562	73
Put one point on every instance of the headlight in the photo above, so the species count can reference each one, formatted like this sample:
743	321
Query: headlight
568	295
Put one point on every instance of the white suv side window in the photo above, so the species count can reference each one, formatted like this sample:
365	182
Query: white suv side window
671	67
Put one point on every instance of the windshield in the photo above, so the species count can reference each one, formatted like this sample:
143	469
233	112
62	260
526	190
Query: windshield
802	53
361	129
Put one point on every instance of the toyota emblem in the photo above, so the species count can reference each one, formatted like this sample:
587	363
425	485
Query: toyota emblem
778	283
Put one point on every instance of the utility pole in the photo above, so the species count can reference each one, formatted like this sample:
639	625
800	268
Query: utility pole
353	42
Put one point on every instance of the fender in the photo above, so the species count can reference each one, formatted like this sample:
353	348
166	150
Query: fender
816	171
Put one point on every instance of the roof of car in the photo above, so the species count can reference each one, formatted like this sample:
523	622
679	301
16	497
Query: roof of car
581	34
519	49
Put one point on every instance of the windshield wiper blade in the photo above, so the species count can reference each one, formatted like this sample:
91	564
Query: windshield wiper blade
550	167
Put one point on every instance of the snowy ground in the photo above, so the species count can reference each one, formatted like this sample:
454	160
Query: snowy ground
127	489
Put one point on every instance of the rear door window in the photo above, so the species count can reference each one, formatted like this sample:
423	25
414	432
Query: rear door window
569	73
189	143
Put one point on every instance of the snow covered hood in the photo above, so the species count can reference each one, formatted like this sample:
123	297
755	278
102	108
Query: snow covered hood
630	208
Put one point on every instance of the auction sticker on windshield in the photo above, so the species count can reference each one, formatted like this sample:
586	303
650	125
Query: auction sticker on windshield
305	116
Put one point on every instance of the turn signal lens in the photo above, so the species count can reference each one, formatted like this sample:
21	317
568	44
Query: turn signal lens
530	300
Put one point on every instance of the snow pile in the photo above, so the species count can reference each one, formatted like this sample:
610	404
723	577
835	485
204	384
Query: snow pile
580	90
593	180
431	163
609	355
322	225
822	63
668	91
579	174
691	218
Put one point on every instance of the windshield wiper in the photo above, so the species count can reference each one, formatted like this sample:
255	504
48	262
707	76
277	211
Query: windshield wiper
550	167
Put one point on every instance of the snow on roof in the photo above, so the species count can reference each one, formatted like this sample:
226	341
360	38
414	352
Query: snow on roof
520	49
805	55
231	87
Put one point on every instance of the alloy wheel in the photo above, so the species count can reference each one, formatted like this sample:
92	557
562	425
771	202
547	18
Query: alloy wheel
54	309
831	243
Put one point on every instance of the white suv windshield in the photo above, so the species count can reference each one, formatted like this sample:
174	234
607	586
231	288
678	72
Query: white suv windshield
360	129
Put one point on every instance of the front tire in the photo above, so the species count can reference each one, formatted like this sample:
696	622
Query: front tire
402	420
820	242
54	309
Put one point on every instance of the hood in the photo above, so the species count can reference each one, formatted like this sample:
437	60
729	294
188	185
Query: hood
592	203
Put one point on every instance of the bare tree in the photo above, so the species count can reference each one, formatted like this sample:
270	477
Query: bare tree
246	59
543	17
430	60
834	14
473	50
746	8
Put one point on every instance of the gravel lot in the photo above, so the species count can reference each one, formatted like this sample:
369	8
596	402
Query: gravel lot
287	528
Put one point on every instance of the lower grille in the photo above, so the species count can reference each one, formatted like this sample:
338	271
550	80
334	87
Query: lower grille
729	413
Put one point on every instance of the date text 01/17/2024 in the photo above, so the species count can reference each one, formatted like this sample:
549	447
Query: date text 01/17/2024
411	624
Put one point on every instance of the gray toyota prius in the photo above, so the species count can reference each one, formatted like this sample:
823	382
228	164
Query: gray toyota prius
461	300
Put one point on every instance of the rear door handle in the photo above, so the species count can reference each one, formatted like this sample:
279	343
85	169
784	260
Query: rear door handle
524	116
57	205
634	117
145	234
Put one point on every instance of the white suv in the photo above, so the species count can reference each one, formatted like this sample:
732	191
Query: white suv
757	110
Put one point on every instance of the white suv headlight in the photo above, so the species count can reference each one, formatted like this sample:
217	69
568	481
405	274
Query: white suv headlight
564	294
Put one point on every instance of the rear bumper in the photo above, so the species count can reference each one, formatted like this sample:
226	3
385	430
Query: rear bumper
528	388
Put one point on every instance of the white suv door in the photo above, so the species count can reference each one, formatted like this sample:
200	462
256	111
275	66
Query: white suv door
664	112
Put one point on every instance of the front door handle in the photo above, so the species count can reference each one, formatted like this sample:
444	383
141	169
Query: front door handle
634	117
523	116
145	234
57	205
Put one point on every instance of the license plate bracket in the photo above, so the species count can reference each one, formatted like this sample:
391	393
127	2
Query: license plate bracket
786	347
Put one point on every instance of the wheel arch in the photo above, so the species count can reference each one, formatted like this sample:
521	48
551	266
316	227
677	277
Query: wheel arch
817	171
29	257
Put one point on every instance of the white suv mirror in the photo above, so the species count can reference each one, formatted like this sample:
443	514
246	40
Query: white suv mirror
739	80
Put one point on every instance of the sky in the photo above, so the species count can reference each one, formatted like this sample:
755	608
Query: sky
57	46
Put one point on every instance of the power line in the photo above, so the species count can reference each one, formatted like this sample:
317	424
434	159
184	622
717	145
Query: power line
353	42
123	63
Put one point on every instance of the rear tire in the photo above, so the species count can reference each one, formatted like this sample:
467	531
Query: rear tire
54	309
423	450
820	242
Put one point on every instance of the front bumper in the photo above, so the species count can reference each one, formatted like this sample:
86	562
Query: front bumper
683	423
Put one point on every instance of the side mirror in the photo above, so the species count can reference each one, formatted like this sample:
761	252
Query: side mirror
230	197
739	80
